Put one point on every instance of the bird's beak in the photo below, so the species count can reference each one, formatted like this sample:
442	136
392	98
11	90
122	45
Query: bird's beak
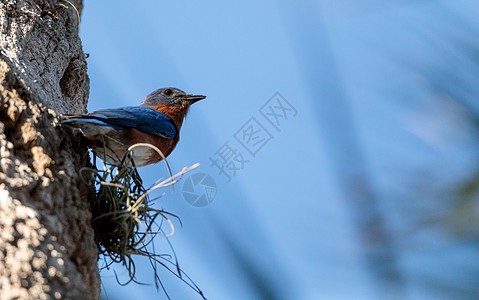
194	98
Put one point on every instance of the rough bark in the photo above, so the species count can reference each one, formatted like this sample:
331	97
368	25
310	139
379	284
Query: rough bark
47	248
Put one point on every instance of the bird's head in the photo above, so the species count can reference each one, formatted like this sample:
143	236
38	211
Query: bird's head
172	102
172	97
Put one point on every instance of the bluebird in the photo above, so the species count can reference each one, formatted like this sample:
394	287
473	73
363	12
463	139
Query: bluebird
156	121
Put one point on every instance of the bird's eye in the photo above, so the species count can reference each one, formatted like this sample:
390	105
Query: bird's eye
167	92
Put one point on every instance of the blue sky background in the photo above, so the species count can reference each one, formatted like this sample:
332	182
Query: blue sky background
360	194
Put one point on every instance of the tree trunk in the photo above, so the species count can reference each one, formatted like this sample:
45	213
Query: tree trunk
47	248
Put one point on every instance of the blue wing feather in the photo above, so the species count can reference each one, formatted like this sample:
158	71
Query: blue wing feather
142	118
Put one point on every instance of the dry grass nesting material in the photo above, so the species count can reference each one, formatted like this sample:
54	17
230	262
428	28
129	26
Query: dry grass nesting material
124	221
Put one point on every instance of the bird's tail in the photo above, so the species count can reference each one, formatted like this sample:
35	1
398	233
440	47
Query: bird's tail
78	120
89	127
68	119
